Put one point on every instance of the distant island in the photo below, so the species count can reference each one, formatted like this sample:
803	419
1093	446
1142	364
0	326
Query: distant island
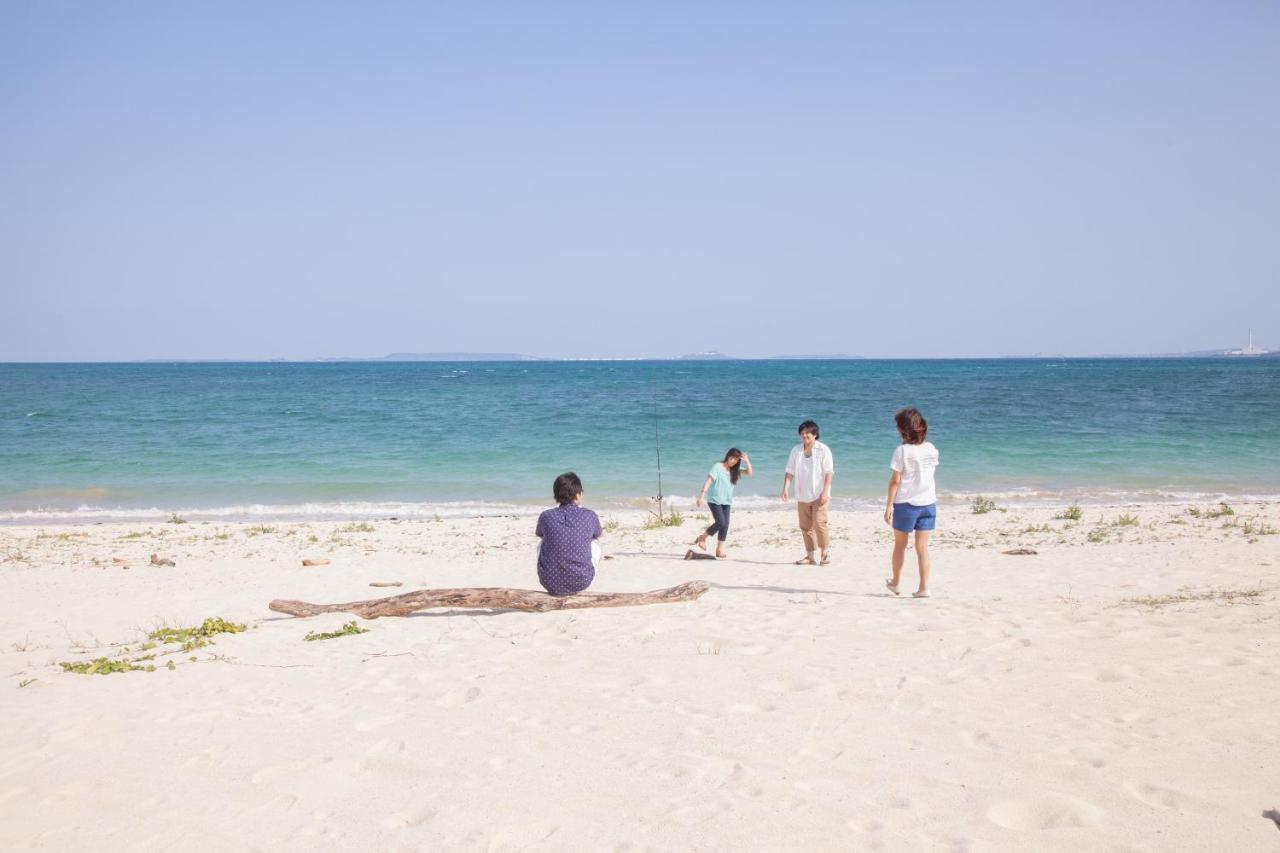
445	356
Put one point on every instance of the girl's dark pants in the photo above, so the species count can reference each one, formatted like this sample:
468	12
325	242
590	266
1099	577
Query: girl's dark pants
720	512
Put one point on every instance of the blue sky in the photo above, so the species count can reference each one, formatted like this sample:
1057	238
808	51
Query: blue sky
304	180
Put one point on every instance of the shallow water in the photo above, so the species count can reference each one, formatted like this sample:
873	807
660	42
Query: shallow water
422	438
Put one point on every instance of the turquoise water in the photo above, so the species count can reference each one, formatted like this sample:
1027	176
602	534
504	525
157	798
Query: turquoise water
353	438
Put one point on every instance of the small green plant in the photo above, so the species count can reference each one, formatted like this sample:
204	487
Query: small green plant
177	519
24	682
346	630
611	525
1071	513
62	537
259	530
313	539
14	555
1223	509
1098	534
982	505
1260	528
195	638
1043	528
136	534
357	527
1127	520
104	666
655	521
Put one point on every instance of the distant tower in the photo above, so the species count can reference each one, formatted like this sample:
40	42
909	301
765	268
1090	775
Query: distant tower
1248	350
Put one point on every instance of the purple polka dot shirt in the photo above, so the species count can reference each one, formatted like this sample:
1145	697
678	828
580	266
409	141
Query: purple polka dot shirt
564	562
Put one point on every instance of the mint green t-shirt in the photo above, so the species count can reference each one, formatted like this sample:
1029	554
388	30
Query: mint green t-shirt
721	491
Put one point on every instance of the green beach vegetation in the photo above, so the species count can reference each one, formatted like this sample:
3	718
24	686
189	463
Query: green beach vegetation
1221	510
671	519
981	505
1071	513
357	527
347	630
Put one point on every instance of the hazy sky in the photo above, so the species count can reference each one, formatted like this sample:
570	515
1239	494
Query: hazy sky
261	180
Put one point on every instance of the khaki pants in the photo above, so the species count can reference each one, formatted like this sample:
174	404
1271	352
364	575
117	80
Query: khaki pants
813	524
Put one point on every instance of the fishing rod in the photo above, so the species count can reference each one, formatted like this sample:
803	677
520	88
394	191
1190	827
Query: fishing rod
657	446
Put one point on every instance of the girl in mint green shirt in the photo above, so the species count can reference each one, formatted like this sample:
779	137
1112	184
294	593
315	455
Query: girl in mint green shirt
717	490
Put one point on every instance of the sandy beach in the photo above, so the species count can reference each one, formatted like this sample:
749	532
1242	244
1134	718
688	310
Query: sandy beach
1116	690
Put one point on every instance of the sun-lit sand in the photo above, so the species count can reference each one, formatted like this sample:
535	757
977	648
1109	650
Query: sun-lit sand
1034	703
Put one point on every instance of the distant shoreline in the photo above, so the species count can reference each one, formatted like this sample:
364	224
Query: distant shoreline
484	358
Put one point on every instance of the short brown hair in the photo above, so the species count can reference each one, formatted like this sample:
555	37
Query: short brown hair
911	426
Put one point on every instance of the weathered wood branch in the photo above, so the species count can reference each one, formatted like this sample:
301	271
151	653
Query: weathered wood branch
497	598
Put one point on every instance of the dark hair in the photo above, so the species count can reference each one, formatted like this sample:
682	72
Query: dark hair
734	473
911	426
808	426
566	488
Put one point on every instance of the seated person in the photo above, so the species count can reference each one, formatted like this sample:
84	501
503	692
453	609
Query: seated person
569	553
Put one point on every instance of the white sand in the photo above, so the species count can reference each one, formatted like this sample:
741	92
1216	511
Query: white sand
1024	707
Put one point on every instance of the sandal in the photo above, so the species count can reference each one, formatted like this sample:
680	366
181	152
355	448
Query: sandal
826	559
893	587
807	561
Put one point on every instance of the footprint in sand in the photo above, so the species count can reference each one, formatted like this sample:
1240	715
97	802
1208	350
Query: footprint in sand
368	724
1169	798
1052	811
408	819
273	772
980	740
1104	676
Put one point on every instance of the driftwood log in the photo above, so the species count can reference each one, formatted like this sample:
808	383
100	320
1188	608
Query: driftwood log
495	598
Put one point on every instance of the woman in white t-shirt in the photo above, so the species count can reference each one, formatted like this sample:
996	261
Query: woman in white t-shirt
912	504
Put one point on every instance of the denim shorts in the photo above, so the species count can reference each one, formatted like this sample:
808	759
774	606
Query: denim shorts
908	517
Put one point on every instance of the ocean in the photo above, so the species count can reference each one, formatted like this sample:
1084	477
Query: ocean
368	439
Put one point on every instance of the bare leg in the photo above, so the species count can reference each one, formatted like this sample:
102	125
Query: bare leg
922	557
720	550
899	554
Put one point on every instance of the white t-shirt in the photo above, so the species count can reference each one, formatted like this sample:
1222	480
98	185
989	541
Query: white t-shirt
810	471
917	463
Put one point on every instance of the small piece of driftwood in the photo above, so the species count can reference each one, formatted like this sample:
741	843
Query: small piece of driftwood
119	561
386	583
1020	552
316	562
495	598
157	560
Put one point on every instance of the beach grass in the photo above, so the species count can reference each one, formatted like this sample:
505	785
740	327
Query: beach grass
981	505
656	521
356	527
1071	513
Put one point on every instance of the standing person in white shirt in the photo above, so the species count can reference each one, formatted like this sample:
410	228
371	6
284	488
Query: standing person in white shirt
811	467
912	504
